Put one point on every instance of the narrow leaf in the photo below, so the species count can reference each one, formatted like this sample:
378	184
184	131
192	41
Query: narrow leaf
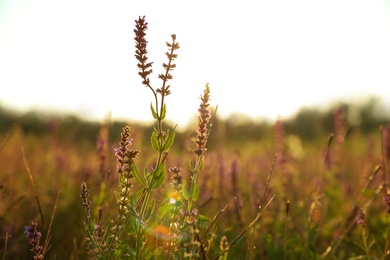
139	195
159	180
164	111
195	192
163	210
155	116
191	164
154	141
184	190
138	176
158	176
149	212
170	140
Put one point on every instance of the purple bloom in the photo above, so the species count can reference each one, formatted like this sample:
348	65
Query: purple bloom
31	231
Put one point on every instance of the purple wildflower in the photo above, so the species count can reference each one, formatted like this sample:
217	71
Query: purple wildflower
34	237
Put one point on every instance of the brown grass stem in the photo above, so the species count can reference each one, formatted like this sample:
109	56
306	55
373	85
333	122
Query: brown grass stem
5	245
7	137
34	187
46	245
268	180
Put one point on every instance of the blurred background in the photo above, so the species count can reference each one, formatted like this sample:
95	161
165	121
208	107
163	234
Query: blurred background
263	59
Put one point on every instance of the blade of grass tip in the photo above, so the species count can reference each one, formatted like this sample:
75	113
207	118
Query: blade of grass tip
6	138
259	214
46	245
34	187
206	202
213	222
5	245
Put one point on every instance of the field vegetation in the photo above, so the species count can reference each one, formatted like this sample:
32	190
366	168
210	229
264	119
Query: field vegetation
314	186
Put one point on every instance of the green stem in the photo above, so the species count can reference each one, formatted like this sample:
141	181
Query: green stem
193	182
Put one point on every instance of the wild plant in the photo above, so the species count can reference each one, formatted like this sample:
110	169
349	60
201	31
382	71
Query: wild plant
146	226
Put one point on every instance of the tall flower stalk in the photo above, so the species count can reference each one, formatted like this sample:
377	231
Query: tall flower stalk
161	140
202	134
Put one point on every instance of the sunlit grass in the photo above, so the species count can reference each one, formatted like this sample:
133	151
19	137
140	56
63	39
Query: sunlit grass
157	194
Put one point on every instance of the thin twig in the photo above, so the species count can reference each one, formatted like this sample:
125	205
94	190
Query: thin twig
5	245
46	246
34	187
268	180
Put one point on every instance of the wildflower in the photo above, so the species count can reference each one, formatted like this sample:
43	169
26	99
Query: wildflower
141	43
203	120
172	47
34	237
101	149
125	156
339	125
176	179
84	197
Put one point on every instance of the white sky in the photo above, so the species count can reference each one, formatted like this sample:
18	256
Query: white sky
262	58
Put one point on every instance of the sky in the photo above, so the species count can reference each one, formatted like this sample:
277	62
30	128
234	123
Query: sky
265	59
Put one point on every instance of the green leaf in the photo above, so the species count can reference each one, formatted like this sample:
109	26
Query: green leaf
170	140
138	176
164	111
203	218
191	165
184	190
155	116
158	176
154	141
138	196
163	210
150	211
159	179
195	192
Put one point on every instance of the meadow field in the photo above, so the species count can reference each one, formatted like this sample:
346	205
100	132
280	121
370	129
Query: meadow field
310	187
